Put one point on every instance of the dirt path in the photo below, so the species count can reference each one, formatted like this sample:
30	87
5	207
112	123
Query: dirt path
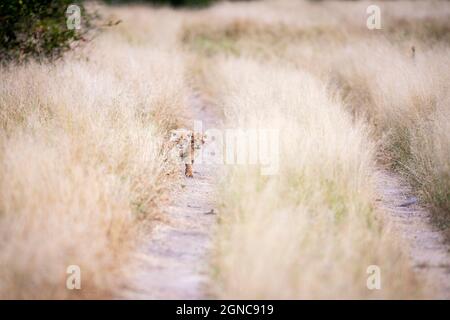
174	261
428	253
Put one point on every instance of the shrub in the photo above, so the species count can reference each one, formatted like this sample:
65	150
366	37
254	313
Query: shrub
38	29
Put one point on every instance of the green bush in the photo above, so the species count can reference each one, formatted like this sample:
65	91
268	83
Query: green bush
38	29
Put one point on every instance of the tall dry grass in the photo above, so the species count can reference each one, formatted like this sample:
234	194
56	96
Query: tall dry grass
82	161
348	100
407	102
311	230
82	158
401	93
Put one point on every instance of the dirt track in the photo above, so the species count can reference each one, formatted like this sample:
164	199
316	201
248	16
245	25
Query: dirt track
175	259
427	250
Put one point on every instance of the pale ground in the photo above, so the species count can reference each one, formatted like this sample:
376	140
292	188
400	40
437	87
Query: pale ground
175	263
428	252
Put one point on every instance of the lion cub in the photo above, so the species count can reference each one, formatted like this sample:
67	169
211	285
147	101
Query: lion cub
187	143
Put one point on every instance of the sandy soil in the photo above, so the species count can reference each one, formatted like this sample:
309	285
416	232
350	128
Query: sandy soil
428	252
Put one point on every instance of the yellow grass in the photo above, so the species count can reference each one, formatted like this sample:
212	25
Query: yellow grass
83	164
403	95
346	100
82	160
309	231
407	102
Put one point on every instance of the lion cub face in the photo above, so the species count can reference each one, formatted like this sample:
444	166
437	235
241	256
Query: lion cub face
182	138
187	143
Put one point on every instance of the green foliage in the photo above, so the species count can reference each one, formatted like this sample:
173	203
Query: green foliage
38	29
